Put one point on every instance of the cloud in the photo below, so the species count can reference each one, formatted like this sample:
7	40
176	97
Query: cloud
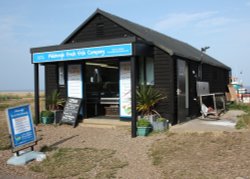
210	19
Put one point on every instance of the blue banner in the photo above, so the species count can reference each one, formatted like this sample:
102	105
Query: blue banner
21	125
83	53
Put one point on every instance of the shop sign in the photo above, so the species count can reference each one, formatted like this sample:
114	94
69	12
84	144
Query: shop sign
83	53
21	126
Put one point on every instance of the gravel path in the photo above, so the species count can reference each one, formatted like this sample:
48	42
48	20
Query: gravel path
134	151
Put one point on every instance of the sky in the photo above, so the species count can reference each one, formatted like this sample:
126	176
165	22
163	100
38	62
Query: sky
222	25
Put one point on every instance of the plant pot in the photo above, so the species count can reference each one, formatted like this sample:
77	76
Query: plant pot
143	131
57	116
159	126
151	118
47	120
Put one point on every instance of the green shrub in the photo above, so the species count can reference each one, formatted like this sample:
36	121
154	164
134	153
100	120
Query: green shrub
147	99
54	101
143	123
161	119
3	106
243	122
243	107
4	97
47	114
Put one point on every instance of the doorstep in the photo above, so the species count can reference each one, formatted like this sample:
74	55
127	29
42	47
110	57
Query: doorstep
104	123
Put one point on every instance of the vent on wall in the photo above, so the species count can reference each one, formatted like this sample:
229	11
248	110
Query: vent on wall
99	30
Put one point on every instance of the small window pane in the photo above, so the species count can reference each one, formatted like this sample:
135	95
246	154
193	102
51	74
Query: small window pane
61	75
150	71
141	71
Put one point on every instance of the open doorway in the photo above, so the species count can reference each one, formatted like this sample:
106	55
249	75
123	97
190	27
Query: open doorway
102	88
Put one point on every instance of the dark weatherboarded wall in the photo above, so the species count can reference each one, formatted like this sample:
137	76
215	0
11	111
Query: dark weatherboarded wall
50	79
164	81
218	78
100	28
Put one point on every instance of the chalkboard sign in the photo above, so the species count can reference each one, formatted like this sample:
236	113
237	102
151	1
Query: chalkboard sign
71	110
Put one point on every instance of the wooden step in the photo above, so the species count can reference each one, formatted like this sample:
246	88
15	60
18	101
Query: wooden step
104	123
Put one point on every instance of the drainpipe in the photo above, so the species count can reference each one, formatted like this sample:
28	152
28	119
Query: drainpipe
133	96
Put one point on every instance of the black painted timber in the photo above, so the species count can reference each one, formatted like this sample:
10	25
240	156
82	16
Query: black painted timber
51	80
218	78
133	95
36	93
164	82
90	31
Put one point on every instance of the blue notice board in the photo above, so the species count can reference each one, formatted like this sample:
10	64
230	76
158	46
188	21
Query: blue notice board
83	53
21	125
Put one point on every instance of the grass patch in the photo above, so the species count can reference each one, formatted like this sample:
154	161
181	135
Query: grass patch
46	148
243	120
243	107
4	142
9	104
4	97
3	106
81	163
4	135
202	155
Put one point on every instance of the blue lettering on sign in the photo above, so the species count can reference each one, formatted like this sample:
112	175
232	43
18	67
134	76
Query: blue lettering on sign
21	125
83	53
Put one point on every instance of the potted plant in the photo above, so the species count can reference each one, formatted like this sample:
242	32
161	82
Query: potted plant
55	104
143	127
160	124
47	117
147	98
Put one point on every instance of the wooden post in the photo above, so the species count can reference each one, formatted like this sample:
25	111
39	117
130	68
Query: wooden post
36	92
133	97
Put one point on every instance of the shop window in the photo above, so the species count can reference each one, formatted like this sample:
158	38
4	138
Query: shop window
146	71
61	80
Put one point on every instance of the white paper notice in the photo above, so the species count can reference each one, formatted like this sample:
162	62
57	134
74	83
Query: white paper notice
74	81
21	125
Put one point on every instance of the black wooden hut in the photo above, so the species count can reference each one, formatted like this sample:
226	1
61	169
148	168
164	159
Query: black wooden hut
107	55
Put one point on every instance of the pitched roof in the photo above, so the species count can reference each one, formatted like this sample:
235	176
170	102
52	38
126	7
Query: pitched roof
162	41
